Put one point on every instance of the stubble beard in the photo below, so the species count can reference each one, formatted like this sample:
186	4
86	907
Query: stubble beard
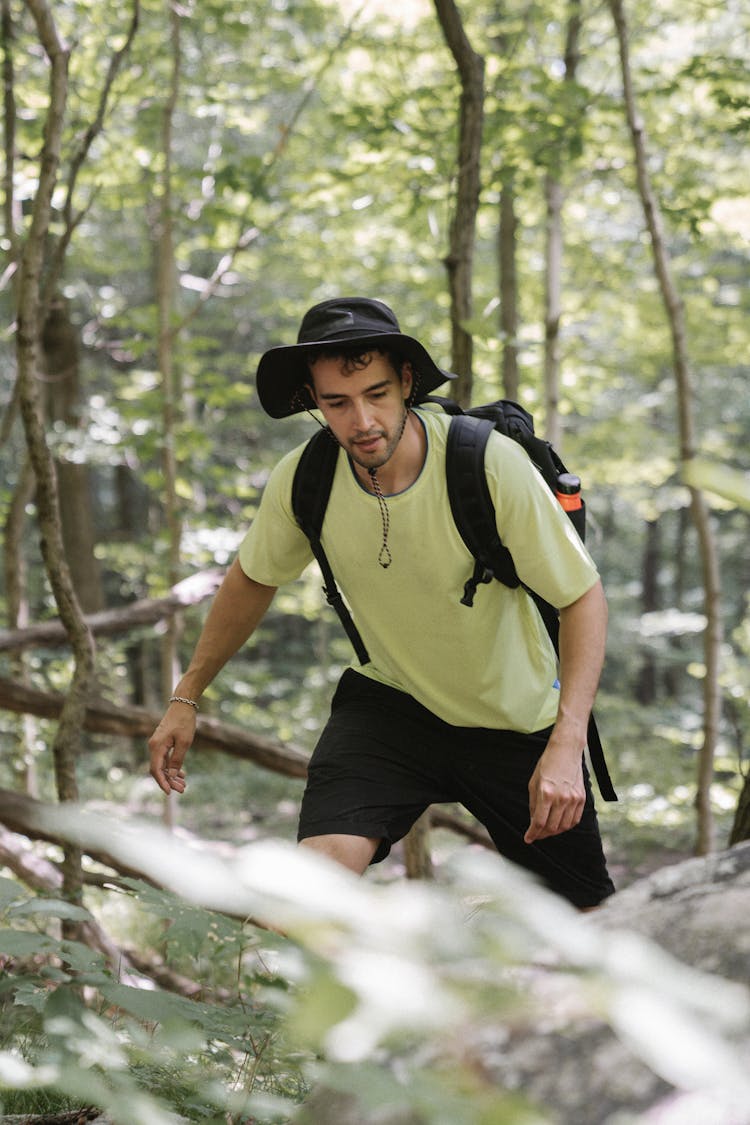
376	461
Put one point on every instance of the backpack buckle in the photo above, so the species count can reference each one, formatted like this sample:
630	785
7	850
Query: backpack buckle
482	575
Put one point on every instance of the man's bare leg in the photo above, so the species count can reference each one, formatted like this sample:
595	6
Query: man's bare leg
352	852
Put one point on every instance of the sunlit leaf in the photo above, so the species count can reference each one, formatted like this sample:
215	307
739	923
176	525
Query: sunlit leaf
729	483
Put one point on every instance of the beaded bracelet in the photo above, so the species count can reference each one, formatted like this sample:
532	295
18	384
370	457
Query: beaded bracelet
183	699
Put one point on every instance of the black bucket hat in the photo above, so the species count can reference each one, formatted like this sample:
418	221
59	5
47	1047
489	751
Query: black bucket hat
283	371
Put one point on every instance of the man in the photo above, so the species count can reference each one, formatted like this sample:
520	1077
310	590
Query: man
456	704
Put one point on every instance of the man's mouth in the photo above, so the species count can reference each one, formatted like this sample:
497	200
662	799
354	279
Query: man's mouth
367	444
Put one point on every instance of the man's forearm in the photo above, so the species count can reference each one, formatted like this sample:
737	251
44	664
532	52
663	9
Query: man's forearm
556	789
237	609
583	634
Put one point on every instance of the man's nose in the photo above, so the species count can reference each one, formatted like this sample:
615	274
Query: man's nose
362	414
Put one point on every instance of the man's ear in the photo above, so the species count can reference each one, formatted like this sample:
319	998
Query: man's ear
309	387
407	380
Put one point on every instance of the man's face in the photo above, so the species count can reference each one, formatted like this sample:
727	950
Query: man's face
365	408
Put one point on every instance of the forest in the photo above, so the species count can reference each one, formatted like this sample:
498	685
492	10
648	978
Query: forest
554	200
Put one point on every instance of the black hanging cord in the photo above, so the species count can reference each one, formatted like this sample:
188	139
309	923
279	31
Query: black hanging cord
385	557
384	554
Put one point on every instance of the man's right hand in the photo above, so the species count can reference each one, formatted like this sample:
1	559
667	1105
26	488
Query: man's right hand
238	607
168	746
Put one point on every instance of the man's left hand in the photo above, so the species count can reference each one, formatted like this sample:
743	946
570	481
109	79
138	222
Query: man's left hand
556	796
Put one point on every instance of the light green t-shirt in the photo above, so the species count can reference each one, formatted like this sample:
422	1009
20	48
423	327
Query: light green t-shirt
491	665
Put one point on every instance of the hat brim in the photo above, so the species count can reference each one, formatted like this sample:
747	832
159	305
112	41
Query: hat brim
283	372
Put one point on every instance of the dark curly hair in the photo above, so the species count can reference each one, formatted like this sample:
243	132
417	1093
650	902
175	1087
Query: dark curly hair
355	359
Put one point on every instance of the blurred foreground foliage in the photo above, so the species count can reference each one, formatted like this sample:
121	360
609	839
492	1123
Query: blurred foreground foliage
390	992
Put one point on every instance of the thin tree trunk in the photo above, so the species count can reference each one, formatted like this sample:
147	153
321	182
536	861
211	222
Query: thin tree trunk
417	858
165	288
741	824
507	228
18	613
555	198
9	131
646	685
30	321
553	193
460	258
698	506
13	546
62	366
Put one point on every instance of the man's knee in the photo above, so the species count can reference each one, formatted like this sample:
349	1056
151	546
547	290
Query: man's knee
352	852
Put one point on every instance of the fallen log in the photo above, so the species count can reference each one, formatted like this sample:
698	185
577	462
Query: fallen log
21	814
102	717
473	832
109	622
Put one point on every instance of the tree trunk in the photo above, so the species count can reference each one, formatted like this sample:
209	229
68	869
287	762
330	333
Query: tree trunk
741	826
9	129
554	197
14	564
165	291
553	193
61	362
698	506
18	614
646	687
508	289
417	858
460	258
681	552
30	321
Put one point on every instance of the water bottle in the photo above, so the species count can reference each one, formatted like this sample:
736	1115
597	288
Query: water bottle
568	491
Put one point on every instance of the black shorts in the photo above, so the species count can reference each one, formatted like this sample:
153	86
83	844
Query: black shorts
383	758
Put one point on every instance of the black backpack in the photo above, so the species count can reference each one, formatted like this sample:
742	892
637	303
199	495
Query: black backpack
472	509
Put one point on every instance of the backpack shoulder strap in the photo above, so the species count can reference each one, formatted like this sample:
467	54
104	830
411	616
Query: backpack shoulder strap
312	483
311	489
474	515
471	504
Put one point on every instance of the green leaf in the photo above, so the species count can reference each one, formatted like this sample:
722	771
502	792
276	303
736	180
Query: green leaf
57	907
82	958
18	943
326	1002
154	1006
10	890
30	995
